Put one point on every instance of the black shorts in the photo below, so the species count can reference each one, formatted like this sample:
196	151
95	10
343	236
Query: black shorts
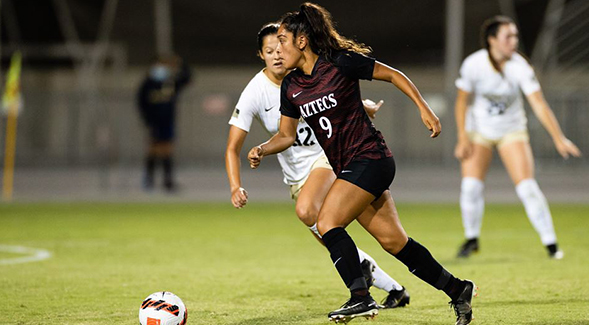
374	176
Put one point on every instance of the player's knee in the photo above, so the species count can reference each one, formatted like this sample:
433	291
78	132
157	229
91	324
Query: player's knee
307	214
528	188
471	188
324	225
392	244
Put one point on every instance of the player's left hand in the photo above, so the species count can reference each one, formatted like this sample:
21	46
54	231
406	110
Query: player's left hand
431	121
566	147
255	156
371	107
239	197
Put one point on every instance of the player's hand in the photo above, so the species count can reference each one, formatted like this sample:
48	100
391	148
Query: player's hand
463	149
566	147
431	122
255	156
371	107
239	197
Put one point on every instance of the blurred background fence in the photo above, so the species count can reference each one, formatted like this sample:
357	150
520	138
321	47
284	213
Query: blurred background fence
61	125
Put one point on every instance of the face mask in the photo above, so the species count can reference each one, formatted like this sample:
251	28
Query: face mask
159	73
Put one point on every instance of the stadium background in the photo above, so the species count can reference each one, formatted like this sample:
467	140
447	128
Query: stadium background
79	135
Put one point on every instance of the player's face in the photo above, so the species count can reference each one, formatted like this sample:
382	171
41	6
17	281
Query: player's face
270	55
506	41
287	49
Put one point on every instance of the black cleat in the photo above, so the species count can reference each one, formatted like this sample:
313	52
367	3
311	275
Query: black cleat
470	246
357	306
171	187
554	252
463	305
367	269
396	298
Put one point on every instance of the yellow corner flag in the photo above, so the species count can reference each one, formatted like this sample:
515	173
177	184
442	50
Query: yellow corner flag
11	105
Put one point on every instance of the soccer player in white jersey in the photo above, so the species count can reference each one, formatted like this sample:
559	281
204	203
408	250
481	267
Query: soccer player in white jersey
304	165
494	78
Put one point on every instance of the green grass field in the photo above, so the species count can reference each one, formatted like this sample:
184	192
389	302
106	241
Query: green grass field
260	265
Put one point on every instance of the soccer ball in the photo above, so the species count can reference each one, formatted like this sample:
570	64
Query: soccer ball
162	308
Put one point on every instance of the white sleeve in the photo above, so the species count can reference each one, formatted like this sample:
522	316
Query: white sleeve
528	81
466	80
246	108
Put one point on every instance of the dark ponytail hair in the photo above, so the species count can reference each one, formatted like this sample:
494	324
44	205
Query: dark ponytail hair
491	28
316	23
268	29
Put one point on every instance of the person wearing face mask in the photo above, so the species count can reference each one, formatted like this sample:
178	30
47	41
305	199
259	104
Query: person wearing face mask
157	99
494	77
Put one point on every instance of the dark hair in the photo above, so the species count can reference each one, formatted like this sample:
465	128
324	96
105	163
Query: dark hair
316	23
491	28
268	29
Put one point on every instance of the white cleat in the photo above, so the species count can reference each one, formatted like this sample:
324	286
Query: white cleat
558	255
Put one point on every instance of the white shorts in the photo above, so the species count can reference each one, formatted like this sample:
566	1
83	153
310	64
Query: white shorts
321	162
478	138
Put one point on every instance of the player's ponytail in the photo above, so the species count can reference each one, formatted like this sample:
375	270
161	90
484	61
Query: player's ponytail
316	23
490	28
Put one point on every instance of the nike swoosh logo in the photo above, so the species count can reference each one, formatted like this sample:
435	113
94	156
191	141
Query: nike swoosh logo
353	306
334	263
268	109
346	171
295	95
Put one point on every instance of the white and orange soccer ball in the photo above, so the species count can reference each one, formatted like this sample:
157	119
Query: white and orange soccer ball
162	308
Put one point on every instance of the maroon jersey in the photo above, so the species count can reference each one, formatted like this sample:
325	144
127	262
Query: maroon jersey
330	102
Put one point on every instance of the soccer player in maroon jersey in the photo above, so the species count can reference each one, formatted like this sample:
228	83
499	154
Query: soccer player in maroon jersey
324	89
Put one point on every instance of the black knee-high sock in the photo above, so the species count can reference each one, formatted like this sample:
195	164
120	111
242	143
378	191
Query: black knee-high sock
168	171
423	265
344	255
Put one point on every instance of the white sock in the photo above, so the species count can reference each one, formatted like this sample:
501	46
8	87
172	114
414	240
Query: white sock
313	228
537	209
381	279
472	205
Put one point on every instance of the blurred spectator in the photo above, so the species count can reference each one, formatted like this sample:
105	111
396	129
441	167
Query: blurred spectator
157	104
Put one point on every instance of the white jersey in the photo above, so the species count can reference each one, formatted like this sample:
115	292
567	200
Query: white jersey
261	99
498	107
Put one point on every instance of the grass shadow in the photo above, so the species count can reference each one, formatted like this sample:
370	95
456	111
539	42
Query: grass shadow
278	319
486	261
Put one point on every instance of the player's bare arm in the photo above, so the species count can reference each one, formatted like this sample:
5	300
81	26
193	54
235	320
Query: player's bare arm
464	146
233	166
564	146
281	141
397	78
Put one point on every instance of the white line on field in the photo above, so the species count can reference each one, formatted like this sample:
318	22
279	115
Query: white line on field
33	254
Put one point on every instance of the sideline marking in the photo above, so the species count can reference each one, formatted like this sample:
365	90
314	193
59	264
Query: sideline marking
34	254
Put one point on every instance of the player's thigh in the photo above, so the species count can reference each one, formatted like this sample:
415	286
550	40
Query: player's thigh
313	194
518	160
477	164
344	203
381	220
